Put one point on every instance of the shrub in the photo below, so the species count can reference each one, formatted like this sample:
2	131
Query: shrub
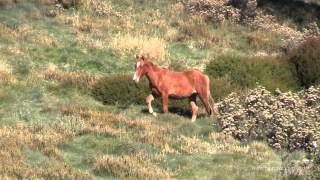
245	72
286	120
213	10
307	62
120	89
248	7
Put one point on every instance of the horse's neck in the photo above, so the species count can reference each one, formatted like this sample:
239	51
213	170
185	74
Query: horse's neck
154	75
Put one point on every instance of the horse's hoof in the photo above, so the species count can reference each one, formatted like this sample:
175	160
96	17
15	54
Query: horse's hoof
154	114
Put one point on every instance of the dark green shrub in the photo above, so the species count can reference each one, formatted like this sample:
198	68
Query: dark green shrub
306	59
230	73
121	89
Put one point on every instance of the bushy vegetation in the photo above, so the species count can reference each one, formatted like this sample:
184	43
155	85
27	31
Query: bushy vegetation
285	120
307	62
231	73
121	89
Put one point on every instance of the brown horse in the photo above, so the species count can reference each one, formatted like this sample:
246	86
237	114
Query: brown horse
170	84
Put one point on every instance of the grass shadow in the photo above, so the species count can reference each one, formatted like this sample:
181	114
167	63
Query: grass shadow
186	113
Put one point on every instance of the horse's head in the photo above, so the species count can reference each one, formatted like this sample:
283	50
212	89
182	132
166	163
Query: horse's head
140	68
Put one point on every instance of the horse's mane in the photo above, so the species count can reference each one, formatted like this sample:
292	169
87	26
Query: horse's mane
153	65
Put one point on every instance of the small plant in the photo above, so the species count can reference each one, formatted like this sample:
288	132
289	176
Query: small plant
307	62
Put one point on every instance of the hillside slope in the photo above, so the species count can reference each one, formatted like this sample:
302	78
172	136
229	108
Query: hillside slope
51	127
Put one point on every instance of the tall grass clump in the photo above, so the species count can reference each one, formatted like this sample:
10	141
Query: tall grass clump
231	73
307	62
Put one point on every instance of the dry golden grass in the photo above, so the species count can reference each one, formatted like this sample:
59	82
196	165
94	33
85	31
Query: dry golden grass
171	34
6	75
261	40
177	8
79	23
89	121
194	145
19	32
153	47
45	39
224	143
4	67
78	120
88	41
42	138
136	167
105	123
80	80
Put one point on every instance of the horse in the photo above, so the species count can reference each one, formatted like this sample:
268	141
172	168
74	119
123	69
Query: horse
170	84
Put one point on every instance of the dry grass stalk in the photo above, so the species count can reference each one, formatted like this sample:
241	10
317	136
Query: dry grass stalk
14	163
19	32
117	125
153	47
6	75
129	166
80	80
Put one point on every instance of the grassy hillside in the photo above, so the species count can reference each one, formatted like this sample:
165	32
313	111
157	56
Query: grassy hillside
51	56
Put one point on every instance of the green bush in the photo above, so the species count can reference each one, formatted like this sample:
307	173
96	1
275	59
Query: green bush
306	59
121	89
230	73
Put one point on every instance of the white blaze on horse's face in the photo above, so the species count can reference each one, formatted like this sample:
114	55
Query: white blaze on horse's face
138	72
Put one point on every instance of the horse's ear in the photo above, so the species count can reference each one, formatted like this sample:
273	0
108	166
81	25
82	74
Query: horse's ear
137	56
143	58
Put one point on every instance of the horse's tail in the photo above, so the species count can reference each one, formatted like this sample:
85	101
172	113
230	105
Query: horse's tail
211	104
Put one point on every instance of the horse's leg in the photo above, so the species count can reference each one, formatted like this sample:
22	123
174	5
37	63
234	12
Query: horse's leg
165	100
149	100
194	107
